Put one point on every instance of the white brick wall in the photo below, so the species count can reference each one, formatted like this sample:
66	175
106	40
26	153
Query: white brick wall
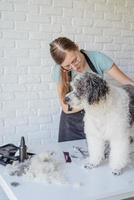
28	99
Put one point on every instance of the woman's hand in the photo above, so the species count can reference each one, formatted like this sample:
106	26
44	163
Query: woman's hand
65	106
73	110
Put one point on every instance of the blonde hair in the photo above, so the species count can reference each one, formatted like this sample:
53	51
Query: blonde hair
58	50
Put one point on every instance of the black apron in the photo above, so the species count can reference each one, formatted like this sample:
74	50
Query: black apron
71	126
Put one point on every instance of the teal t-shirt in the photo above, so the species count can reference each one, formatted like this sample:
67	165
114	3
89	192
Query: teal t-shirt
101	62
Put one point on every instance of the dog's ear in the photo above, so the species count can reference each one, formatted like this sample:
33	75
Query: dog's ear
97	88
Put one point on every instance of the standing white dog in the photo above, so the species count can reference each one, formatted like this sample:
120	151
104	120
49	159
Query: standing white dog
109	114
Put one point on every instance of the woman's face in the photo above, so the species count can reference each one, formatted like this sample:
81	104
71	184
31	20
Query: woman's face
74	60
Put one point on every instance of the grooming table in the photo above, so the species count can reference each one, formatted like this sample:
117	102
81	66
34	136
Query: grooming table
96	184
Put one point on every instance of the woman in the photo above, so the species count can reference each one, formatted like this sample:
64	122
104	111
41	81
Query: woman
70	61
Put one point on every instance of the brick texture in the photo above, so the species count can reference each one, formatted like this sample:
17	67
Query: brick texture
28	100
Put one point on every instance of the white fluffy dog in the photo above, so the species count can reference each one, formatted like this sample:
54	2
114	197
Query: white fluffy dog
109	114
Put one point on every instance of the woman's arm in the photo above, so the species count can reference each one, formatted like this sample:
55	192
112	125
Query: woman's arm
65	106
118	75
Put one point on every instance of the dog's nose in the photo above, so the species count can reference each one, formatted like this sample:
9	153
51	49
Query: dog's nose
67	99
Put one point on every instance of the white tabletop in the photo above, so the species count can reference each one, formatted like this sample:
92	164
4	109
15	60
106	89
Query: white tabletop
98	183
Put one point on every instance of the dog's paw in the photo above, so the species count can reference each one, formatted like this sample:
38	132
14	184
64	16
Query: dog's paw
116	172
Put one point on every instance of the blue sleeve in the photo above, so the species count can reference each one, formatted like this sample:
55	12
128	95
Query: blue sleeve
104	62
56	73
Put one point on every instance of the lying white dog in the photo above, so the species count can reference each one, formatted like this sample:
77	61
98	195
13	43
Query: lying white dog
109	114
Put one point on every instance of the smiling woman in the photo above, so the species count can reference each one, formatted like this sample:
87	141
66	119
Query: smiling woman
70	61
75	60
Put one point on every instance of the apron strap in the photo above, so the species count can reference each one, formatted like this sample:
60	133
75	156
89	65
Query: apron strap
91	65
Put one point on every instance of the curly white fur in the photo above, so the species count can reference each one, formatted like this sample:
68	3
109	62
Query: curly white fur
107	118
